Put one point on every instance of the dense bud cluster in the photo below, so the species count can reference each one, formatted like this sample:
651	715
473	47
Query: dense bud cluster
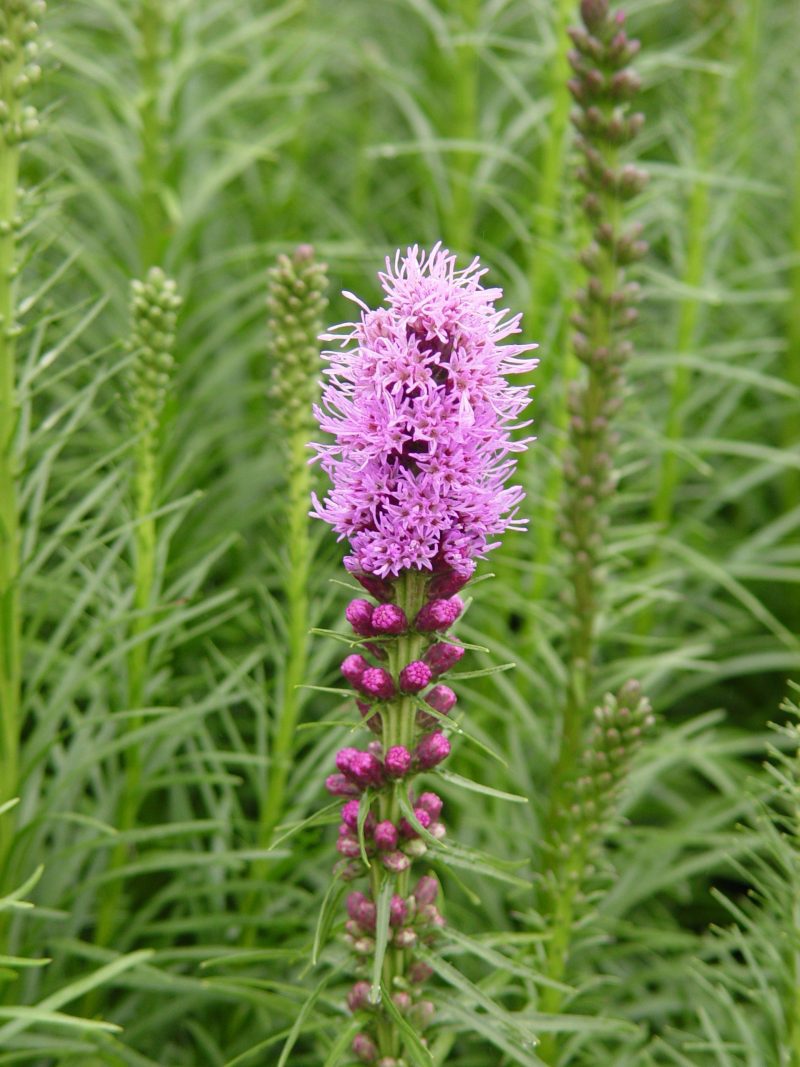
295	302
154	308
19	69
603	87
620	724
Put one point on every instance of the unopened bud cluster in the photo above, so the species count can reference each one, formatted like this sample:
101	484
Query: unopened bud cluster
154	308
620	724
603	87
295	302
19	69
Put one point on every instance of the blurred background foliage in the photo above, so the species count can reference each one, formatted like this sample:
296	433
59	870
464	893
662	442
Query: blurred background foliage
205	137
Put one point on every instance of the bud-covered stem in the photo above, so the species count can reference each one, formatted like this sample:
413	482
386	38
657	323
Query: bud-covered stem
603	87
18	30
584	821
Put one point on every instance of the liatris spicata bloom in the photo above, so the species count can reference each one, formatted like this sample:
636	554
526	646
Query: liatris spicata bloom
422	419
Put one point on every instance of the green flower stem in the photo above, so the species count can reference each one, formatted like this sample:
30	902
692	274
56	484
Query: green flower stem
399	728
153	221
790	434
9	517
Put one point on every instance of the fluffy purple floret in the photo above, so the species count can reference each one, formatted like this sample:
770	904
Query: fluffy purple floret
421	414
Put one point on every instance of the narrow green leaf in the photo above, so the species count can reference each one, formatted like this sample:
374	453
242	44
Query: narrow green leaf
462	676
341	1046
363	812
477	787
420	1057
381	935
330	903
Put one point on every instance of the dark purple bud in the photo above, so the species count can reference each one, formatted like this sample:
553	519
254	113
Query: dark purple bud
408	829
358	997
339	786
432	803
396	862
415	676
354	902
377	682
348	847
439	614
359	614
344	759
374	585
442	699
385	836
365	770
419	972
398	911
427	890
365	1048
397	761
372	718
353	668
443	656
389	619
451	582
378	651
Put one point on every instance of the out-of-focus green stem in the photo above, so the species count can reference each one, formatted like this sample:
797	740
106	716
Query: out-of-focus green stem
9	516
791	437
464	125
153	234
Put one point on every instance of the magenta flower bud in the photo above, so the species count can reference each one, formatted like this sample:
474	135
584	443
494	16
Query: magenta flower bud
427	890
372	719
365	770
374	585
359	614
419	972
389	619
358	997
405	938
376	682
402	1001
437	830
364	1048
432	749
350	814
353	668
442	657
415	676
385	836
396	862
339	786
407	829
432	803
442	699
349	847
398	911
367	915
397	761
354	902
438	615
344	760
422	1014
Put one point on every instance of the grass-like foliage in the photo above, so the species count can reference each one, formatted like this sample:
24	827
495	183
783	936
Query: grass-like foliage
619	887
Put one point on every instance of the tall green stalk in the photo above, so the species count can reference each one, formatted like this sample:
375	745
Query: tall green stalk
154	308
18	30
153	221
464	124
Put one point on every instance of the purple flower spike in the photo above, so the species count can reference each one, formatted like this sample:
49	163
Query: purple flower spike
415	676
432	803
438	615
389	619
359	614
427	890
442	657
365	1048
353	668
339	786
358	997
442	699
397	761
376	682
423	377
398	911
385	836
432	749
